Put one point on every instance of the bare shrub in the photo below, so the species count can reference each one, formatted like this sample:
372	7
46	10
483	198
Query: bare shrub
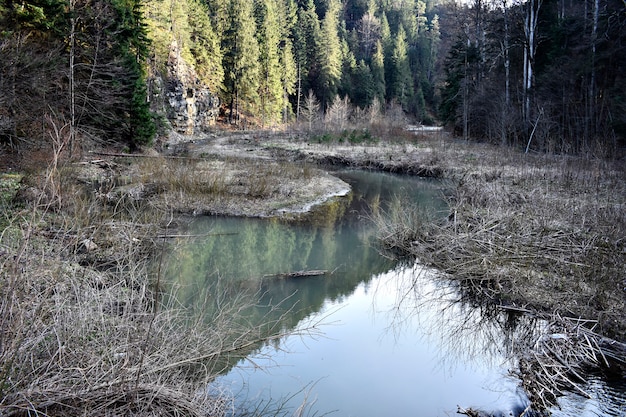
338	114
539	235
310	110
89	330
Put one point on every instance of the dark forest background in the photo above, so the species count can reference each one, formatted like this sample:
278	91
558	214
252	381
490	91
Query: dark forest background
541	75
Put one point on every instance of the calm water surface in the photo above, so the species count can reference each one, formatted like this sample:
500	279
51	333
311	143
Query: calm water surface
390	338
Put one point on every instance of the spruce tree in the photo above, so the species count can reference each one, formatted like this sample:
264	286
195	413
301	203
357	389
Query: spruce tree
307	43
364	87
288	19
241	59
134	48
378	71
330	56
348	71
289	77
268	36
205	46
401	87
387	50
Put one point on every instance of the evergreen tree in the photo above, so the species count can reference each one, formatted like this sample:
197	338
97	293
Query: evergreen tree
241	59
401	86
307	37
364	87
270	80
434	38
348	71
133	46
378	72
330	54
205	46
288	19
289	76
387	50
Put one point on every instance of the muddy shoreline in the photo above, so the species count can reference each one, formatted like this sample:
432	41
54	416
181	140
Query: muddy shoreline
531	234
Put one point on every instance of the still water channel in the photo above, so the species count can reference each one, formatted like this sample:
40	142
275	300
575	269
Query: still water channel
390	338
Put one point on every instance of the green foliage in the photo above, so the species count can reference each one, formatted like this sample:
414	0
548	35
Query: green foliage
401	81
134	48
241	58
43	16
142	123
364	87
205	46
270	79
351	136
330	54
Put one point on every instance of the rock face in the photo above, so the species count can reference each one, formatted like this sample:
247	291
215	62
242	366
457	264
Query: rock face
190	106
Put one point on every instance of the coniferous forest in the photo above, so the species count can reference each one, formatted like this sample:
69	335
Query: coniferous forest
546	75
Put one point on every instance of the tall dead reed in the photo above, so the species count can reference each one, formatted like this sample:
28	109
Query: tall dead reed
539	234
85	328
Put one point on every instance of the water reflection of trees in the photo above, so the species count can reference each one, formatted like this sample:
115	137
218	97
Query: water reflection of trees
549	356
233	262
237	260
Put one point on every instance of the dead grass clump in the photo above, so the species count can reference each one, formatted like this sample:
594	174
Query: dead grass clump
224	185
561	358
76	341
189	176
540	234
86	329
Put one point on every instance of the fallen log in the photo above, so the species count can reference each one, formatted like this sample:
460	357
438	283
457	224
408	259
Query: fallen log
298	274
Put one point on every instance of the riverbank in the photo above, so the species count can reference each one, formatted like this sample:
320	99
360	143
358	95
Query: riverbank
540	235
534	234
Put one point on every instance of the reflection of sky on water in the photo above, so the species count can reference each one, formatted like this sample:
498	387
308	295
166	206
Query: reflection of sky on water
374	359
607	400
394	342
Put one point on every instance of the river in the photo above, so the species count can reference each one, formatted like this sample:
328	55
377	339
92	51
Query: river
375	336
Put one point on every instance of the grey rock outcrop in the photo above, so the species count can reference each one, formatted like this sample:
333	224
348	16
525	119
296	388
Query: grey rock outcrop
189	105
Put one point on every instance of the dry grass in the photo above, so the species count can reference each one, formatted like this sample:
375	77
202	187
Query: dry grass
538	234
245	186
84	326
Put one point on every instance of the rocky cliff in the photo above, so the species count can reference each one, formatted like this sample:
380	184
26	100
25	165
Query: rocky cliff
189	106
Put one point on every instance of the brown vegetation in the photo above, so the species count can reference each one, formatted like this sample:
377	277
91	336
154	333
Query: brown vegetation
85	331
536	234
86	327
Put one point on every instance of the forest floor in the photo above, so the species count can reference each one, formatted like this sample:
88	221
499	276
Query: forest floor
532	234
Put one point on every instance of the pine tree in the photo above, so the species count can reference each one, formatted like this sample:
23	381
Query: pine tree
330	56
387	51
134	48
288	19
364	87
241	59
434	37
401	87
205	46
348	71
307	43
289	76
378	71
268	36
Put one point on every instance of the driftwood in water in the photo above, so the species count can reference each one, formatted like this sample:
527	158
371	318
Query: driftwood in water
298	274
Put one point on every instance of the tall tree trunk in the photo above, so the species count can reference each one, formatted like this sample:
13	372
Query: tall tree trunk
299	92
507	75
531	20
591	122
71	78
